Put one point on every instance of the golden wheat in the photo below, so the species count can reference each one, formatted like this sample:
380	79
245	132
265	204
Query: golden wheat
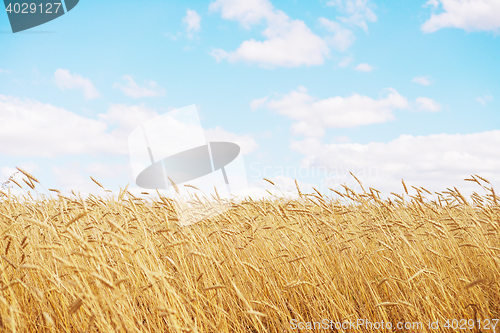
70	264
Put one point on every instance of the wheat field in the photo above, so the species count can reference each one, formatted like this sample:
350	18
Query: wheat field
352	262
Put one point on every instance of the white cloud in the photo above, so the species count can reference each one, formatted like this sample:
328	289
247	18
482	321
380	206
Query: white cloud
288	43
342	37
334	3
436	161
433	3
485	99
246	142
70	178
66	80
219	54
341	139
132	89
258	103
364	68
8	171
246	12
31	128
192	20
173	36
423	80
470	15
313	116
104	171
345	62
358	11
306	147
6	71
427	104
126	117
12	173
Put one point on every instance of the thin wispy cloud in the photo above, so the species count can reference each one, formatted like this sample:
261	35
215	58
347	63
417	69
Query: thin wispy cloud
258	103
342	37
130	88
485	99
358	12
345	62
192	21
427	104
364	68
65	80
423	80
173	36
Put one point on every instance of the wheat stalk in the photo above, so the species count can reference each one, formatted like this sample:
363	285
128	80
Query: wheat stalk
98	264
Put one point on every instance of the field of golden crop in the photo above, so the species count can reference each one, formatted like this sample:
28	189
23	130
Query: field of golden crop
124	264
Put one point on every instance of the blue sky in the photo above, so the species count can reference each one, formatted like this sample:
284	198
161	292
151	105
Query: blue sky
389	90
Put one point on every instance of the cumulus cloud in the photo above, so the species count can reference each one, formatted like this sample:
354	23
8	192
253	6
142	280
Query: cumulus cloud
69	178
313	116
288	43
423	80
65	80
246	142
435	161
192	21
427	104
132	89
485	99
341	139
342	37
364	68
75	176
107	171
31	128
125	118
8	172
470	15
